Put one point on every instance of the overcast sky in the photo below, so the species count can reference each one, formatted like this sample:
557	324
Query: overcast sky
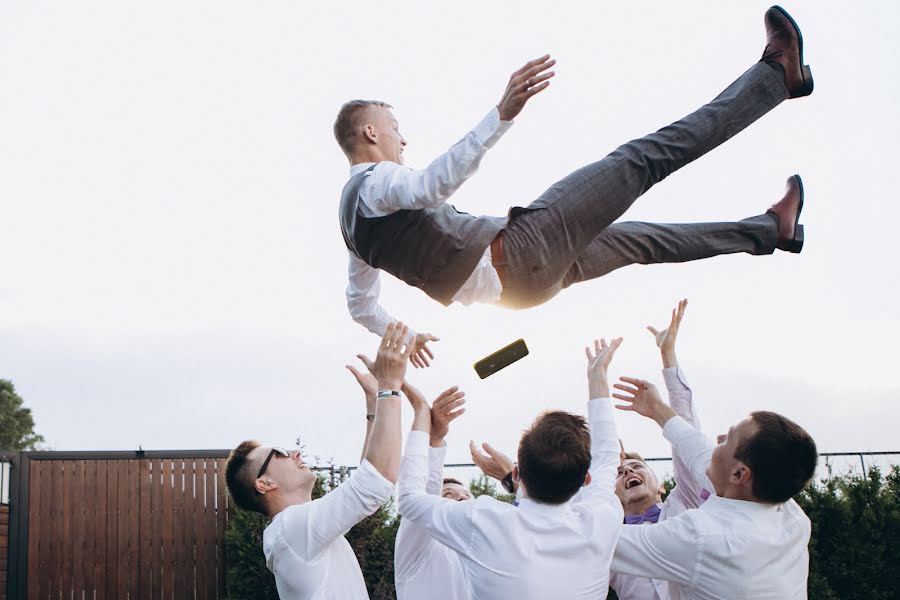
172	272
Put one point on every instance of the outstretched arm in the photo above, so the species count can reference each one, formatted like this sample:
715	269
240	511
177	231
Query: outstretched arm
391	187
362	300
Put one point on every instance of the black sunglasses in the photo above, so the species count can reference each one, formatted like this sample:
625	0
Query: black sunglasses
273	452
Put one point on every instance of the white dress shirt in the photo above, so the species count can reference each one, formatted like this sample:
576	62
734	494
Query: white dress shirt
423	567
685	495
390	187
724	550
533	551
305	546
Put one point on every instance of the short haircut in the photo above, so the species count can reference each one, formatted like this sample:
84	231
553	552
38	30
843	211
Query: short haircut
452	480
349	120
240	482
554	456
634	456
781	455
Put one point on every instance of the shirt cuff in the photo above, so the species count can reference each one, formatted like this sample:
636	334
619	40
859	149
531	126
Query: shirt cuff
435	455
674	376
416	443
491	128
677	428
368	477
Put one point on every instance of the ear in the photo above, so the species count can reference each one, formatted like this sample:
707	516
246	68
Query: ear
263	485
662	490
370	133
587	479
741	475
515	473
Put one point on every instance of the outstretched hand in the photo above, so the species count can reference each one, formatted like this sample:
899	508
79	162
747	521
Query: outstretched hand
389	367
492	462
643	398
665	339
531	79
598	364
445	409
421	352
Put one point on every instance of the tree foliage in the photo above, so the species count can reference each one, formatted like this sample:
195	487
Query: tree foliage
16	423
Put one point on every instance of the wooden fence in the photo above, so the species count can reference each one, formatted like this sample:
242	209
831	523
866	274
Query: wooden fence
114	525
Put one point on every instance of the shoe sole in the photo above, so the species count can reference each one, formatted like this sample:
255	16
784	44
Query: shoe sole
805	72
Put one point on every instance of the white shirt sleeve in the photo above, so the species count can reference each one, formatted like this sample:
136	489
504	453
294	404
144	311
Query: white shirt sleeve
692	449
413	543
391	187
687	488
604	458
668	550
447	521
363	291
309	532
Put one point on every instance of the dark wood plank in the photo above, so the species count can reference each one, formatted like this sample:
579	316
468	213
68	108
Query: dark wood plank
101	524
67	509
112	530
221	523
39	501
91	505
156	529
122	513
134	527
144	581
168	562
200	528
180	571
55	542
209	529
78	530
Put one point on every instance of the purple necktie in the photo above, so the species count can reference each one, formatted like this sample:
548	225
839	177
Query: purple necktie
651	515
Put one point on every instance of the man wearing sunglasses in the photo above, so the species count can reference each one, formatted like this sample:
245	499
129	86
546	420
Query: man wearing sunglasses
304	544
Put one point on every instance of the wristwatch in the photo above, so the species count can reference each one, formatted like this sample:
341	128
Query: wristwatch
507	483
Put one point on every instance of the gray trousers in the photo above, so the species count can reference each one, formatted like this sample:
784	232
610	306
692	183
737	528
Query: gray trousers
568	234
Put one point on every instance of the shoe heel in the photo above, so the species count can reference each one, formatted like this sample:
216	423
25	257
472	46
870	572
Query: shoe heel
796	244
807	88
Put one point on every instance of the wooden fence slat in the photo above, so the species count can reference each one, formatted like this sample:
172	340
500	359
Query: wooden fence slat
144	531
209	530
134	528
55	542
200	528
156	530
65	546
112	530
122	513
39	500
91	504
77	547
221	522
181	579
168	561
101	524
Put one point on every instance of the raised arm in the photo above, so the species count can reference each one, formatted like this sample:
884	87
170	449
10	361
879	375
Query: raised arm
362	293
389	369
392	187
680	395
604	437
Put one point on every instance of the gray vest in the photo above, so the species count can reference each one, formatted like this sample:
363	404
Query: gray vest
433	249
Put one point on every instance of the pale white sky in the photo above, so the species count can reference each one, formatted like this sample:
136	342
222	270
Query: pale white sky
172	272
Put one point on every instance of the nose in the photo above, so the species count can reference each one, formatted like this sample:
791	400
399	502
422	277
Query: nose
720	439
402	141
296	455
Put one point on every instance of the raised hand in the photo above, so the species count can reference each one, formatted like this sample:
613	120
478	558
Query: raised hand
445	409
421	352
416	398
492	462
665	339
531	79
642	397
389	367
366	380
598	364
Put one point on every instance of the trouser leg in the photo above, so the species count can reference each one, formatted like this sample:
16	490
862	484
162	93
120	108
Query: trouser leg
555	229
627	243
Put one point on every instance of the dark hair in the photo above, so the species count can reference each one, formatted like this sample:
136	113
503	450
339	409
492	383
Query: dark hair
349	120
554	456
451	480
240	482
781	455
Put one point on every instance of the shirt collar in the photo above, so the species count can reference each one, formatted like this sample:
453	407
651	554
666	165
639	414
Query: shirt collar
529	505
359	168
725	504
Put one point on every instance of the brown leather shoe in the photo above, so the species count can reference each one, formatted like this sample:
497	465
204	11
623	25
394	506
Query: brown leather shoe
784	45
787	211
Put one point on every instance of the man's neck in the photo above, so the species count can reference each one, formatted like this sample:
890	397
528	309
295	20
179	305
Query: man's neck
282	501
368	155
640	506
